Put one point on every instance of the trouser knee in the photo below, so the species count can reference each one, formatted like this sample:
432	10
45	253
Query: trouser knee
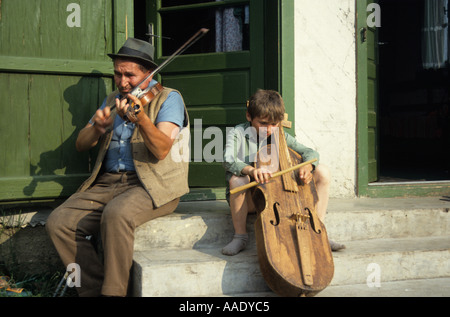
115	218
53	224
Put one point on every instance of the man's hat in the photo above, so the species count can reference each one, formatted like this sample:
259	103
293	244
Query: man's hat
137	49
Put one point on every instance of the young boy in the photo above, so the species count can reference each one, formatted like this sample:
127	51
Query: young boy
265	112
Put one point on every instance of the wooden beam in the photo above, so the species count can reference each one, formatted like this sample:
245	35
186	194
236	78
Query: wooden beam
39	65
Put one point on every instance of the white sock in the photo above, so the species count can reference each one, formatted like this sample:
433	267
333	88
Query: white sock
238	244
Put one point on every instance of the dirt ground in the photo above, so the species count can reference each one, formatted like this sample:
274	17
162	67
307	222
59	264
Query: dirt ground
29	250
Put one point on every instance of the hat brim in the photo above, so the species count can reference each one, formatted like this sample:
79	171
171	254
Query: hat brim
145	60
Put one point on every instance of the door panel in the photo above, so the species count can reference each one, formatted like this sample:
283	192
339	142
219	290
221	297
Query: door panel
53	76
215	84
212	88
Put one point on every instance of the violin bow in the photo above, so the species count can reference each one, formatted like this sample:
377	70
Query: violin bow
277	174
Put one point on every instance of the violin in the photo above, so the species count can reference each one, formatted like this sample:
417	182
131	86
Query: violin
147	95
292	243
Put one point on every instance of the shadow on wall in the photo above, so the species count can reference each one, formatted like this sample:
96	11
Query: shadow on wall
83	99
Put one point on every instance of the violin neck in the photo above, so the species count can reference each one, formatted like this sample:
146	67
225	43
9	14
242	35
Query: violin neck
289	182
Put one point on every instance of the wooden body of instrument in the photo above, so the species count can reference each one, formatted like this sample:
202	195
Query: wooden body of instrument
293	248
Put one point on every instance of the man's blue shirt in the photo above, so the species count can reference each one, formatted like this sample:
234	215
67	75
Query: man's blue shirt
119	157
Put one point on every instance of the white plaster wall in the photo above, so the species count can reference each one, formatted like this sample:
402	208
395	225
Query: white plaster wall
325	86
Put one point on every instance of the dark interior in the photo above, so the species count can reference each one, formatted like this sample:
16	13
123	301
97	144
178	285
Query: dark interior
414	137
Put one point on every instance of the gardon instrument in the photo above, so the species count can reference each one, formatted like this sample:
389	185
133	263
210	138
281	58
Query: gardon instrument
292	243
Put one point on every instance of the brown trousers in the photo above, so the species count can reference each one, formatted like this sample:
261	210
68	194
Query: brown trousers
114	207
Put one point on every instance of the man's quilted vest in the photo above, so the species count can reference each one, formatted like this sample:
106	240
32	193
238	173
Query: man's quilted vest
165	179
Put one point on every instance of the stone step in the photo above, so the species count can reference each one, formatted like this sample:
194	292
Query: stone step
394	259
193	225
196	272
432	287
205	271
388	240
208	223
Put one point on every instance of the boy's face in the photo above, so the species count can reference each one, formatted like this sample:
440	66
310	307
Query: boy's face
263	126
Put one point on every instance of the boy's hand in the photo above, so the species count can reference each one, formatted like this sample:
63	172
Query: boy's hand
260	175
305	174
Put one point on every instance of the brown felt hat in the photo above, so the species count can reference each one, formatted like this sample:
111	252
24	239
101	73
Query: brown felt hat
137	49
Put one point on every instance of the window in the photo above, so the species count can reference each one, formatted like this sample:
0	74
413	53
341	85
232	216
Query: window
228	22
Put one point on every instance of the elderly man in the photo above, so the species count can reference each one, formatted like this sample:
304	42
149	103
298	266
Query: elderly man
136	177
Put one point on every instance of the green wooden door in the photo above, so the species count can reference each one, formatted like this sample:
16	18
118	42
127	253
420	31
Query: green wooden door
368	121
367	59
215	82
54	73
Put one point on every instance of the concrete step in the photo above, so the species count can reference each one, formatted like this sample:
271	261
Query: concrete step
394	259
387	241
434	287
193	225
207	223
196	272
206	271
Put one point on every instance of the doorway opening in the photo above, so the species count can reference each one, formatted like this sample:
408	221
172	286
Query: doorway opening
414	91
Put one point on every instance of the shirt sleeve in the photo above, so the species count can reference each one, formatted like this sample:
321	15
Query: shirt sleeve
172	110
306	153
231	161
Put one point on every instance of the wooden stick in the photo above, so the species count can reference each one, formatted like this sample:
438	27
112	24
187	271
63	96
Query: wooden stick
277	174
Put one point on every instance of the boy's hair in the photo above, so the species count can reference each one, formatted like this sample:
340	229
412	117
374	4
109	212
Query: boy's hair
266	104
